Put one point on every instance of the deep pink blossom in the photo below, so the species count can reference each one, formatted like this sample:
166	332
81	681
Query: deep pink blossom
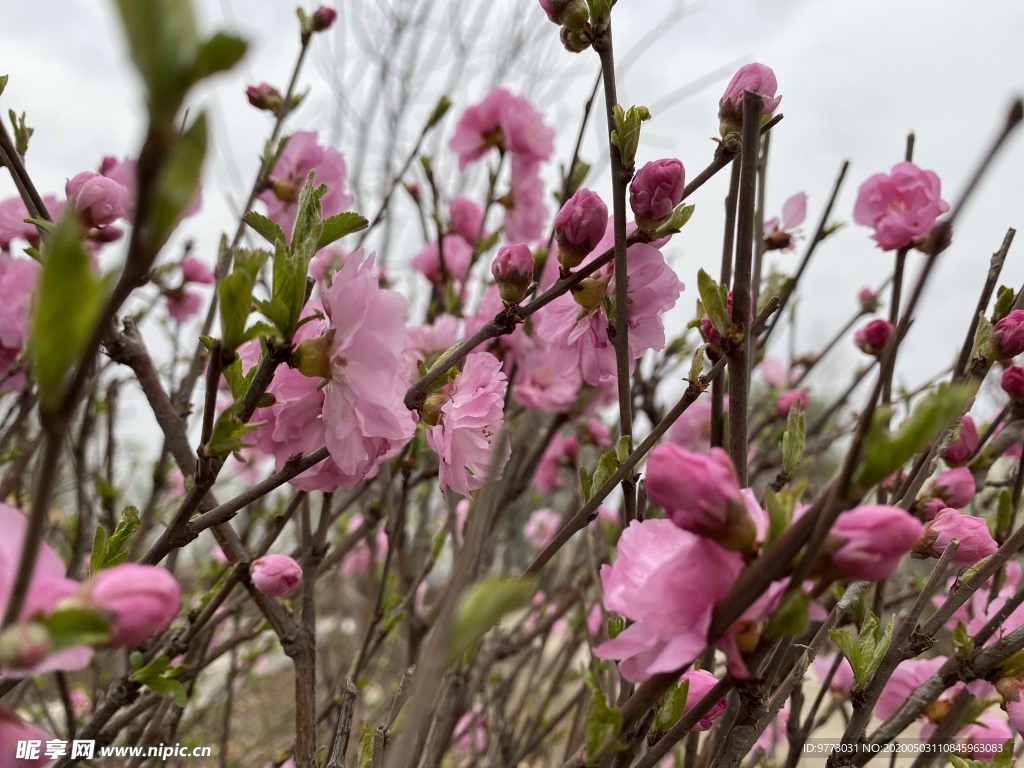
470	420
667	581
700	682
97	199
872	338
457	254
276	575
466	219
954	487
866	543
18	279
182	304
779	232
505	121
512	270
195	271
525	212
963	445
579	226
1012	382
976	543
756	78
656	189
322	18
141	600
542	527
901	206
301	155
1007	339
365	417
265	96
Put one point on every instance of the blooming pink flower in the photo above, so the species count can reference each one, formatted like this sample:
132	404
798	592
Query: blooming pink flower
901	206
275	575
1012	382
15	731
964	445
466	219
976	543
512	270
756	78
18	279
907	678
984	738
576	325
97	199
182	304
559	455
700	684
542	527
656	189
872	338
141	599
364	414
700	493
866	543
580	226
1015	713
692	430
357	564
195	271
1007	339
667	581
525	212
774	372
778	233
842	680
505	121
468	425
536	384
422	342
301	155
786	400
457	254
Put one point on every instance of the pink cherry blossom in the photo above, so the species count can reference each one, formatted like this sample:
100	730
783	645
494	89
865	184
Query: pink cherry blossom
984	738
364	414
326	262
183	304
469	425
842	680
455	251
908	677
12	223
667	581
900	206
692	430
779	233
542	527
504	121
422	342
276	575
580	226
787	400
99	200
18	279
466	219
14	730
536	384
470	732
1007	339
1012	382
141	600
700	682
525	212
964	444
755	78
301	155
656	189
559	455
512	270
775	734
866	543
357	564
195	271
954	487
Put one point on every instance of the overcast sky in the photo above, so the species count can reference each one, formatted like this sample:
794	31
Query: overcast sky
855	78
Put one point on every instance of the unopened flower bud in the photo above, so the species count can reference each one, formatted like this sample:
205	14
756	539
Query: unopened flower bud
512	269
275	575
1012	383
976	543
322	18
866	543
579	227
430	411
756	78
141	600
872	338
869	301
264	96
312	356
98	200
964	444
574	42
656	189
571	14
590	293
24	645
1007	339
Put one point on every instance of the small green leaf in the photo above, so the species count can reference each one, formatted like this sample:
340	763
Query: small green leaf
218	53
69	301
793	439
481	607
1004	757
177	182
76	626
1004	303
790	619
697	364
228	432
850	649
713	297
336	227
265	227
675	221
440	110
585	483
114	550
962	641
234	294
616	625
607	464
622	448
672	709
602	727
981	334
626	135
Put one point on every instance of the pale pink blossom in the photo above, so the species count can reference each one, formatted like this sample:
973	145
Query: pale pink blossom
456	254
470	732
559	456
779	232
842	680
183	304
18	279
542	527
469	424
140	599
466	219
13	225
301	155
424	341
775	372
276	575
99	200
525	212
195	271
907	678
984	738
787	399
326	262
365	417
700	682
667	581
901	206
536	385
692	430
775	734
504	121
953	488
357	564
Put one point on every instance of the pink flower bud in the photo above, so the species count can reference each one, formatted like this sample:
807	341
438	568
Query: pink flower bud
141	599
656	189
976	543
571	14
264	96
786	400
98	200
872	338
194	271
276	575
964	444
512	269
866	543
955	487
322	18
579	227
701	494
1012	383
700	684
756	78
900	206
1007	339
869	301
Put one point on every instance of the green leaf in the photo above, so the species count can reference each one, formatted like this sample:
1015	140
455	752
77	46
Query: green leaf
1004	757
616	625
671	710
69	301
675	221
697	364
234	294
962	641
178	181
265	227
585	483
850	649
790	619
308	216
578	175
365	751
336	227
481	607
599	11
793	439
879	645
76	626
218	53
114	550
622	448
3	83
228	432
626	135
159	677
981	334
607	464
602	727
1004	303
713	297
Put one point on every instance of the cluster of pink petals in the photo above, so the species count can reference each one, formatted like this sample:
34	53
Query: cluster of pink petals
456	254
302	154
542	527
755	78
901	206
505	121
692	430
788	399
963	445
466	435
18	279
778	232
579	336
867	543
466	219
842	681
953	488
13	225
656	189
1007	339
700	682
667	581
98	200
525	212
357	564
275	575
182	302
424	341
1012	382
537	385
364	416
976	543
